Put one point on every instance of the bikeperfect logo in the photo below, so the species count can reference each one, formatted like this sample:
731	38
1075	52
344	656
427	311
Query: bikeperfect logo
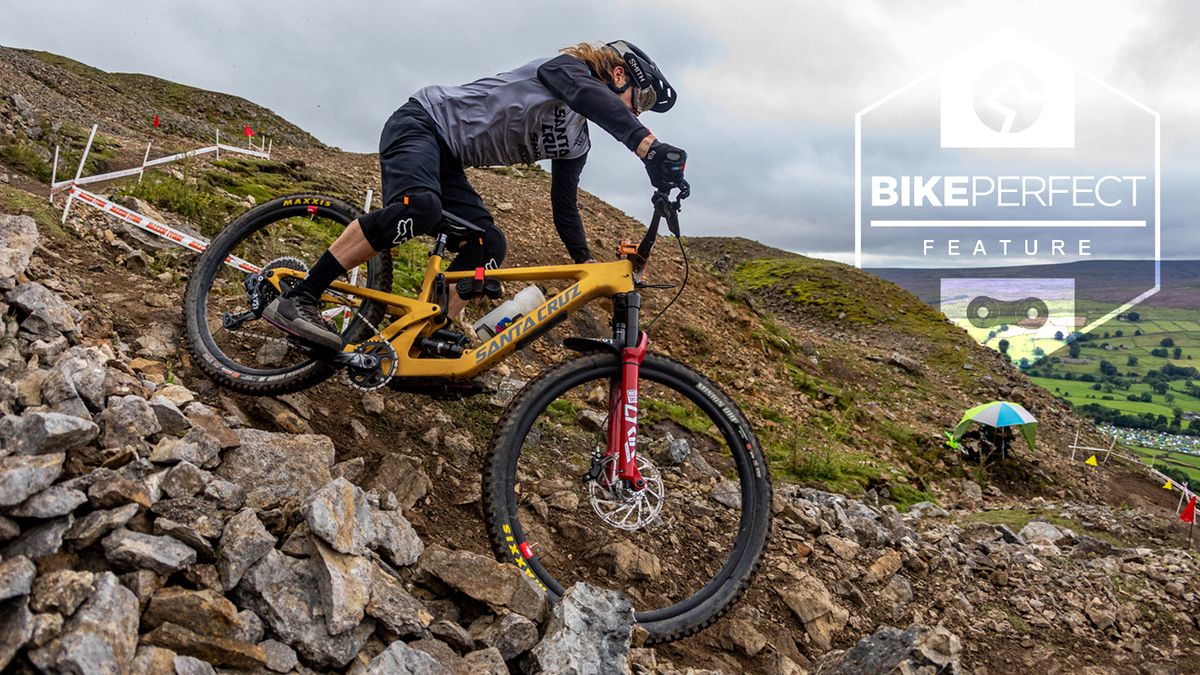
1001	161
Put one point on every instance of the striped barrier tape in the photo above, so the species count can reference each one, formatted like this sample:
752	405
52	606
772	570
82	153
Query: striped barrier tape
156	228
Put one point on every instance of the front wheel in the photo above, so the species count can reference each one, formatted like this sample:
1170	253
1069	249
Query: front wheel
683	549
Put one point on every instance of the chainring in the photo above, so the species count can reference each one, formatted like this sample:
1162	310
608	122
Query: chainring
377	377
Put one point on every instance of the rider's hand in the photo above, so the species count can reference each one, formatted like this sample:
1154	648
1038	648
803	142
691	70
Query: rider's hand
664	164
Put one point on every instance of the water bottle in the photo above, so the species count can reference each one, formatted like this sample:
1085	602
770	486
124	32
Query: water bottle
500	318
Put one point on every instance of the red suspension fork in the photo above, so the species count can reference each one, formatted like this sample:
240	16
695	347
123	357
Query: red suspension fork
623	416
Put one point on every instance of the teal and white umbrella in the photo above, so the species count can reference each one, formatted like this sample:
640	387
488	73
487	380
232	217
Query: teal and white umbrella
1000	414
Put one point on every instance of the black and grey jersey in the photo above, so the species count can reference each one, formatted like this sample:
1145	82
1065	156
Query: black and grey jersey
537	111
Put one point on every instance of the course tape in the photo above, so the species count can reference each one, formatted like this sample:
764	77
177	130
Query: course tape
154	227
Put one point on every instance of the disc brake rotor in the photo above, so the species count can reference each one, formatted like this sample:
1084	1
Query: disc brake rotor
368	379
622	507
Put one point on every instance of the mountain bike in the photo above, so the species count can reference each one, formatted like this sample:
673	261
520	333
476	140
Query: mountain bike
619	466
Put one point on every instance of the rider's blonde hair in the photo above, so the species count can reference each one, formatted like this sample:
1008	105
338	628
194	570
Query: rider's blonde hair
602	59
599	58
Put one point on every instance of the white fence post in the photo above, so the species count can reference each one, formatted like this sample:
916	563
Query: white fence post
145	158
218	146
53	174
79	172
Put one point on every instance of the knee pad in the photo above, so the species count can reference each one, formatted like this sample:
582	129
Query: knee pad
487	251
409	215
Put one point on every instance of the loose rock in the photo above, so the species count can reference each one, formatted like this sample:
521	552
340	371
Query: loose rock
589	631
22	476
340	515
100	637
163	555
244	542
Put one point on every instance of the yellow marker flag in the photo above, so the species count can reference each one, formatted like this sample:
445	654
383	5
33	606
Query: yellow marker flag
1091	461
1168	486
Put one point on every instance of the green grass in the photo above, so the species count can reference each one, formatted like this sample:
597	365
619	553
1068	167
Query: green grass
207	210
24	157
1080	393
1016	519
261	179
1189	464
46	216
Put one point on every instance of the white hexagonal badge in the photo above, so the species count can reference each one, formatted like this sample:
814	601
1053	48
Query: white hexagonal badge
1025	188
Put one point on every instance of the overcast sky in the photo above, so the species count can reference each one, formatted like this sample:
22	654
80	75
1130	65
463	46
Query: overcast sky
768	90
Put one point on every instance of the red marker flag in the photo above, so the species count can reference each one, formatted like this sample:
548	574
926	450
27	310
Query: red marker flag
156	121
248	131
1189	511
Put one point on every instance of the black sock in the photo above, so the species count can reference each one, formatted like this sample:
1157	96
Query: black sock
319	277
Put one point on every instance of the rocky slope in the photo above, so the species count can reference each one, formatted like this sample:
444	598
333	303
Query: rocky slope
330	532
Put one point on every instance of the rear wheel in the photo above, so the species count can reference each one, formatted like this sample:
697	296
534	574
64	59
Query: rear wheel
254	357
685	548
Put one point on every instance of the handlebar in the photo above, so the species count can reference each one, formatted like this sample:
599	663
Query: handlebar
664	207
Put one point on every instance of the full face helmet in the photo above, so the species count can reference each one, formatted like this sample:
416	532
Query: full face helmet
653	92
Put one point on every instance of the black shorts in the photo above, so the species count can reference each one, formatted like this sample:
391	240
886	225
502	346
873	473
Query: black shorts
412	155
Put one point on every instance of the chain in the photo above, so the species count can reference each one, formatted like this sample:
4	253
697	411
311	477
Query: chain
256	336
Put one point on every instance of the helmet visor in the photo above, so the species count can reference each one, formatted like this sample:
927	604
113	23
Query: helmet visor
644	99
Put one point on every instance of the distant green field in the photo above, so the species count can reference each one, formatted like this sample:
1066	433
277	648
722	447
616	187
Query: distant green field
1081	393
1182	326
1189	464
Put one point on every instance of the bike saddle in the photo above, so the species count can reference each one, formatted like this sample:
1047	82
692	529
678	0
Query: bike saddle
453	226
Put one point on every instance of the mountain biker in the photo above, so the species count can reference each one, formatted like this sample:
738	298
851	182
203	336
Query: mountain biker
537	111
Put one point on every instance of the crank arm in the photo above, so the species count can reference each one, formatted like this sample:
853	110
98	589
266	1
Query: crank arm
356	360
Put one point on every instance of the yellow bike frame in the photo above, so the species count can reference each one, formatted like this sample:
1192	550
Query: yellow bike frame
413	318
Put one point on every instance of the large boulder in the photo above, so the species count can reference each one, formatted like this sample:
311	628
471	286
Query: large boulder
244	542
395	607
589	631
340	515
399	658
499	585
35	433
18	238
22	476
283	591
1040	532
344	582
42	313
918	649
101	637
164	555
811	602
277	469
